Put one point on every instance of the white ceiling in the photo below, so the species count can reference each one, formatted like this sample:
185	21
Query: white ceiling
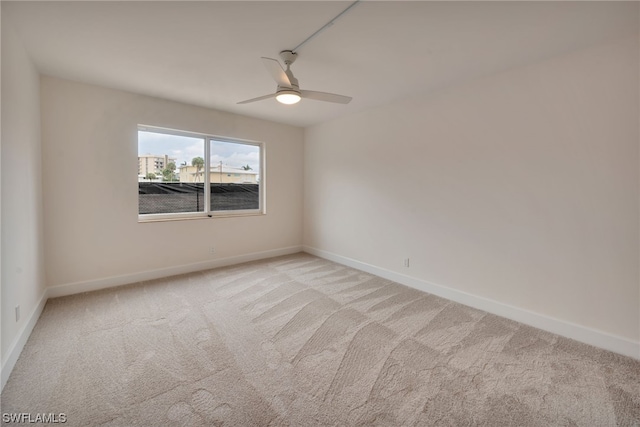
208	53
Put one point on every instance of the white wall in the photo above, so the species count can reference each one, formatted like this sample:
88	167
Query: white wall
520	188
90	187
22	248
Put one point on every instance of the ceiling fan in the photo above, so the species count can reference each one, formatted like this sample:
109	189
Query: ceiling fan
288	91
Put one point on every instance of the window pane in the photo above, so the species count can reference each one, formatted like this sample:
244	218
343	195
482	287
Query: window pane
235	176
170	173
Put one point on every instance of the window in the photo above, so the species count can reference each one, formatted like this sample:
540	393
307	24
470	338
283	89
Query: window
189	175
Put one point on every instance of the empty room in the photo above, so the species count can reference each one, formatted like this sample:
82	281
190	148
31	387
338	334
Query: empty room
331	213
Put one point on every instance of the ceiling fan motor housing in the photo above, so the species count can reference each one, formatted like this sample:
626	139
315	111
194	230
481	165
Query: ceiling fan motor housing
288	57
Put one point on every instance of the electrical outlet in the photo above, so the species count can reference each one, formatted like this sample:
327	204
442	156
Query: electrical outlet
406	262
17	313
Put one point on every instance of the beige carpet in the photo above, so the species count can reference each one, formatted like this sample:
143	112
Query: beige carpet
302	341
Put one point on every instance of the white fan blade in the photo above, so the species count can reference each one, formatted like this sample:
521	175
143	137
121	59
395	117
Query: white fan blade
324	96
277	72
260	98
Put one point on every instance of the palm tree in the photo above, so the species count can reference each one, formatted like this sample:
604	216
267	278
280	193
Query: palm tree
168	173
198	162
247	168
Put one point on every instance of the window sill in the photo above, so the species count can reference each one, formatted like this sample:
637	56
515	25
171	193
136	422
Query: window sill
165	218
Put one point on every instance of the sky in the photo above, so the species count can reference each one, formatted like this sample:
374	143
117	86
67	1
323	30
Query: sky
184	149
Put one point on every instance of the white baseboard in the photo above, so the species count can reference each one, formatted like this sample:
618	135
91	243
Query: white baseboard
125	279
563	328
92	285
21	339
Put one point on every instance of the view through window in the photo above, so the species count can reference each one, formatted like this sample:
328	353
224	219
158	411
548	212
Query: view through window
175	168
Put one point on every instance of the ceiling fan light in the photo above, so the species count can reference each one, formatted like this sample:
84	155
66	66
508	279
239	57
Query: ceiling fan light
288	97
